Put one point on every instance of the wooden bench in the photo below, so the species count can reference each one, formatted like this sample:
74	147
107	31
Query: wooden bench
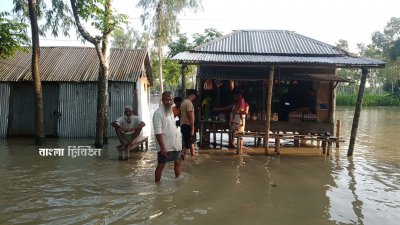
142	145
328	144
325	140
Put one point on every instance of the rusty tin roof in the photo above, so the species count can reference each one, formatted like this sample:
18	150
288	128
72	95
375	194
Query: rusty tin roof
77	64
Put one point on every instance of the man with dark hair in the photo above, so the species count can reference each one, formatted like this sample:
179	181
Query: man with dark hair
168	140
187	121
177	110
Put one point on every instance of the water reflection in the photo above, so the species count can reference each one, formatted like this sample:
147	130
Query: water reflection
367	184
214	189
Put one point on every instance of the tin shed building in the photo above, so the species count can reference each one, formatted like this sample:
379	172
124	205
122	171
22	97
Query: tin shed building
69	83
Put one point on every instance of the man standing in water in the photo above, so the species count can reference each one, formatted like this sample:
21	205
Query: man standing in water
168	140
187	121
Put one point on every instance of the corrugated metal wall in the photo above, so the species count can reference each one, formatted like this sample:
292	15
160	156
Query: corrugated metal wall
22	117
121	94
50	109
77	105
4	108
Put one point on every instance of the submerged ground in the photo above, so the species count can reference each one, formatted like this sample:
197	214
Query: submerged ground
214	189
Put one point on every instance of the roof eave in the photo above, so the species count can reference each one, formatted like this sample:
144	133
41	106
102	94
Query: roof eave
283	64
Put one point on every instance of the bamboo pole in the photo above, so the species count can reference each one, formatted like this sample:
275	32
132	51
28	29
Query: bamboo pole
354	127
337	132
333	102
268	107
183	77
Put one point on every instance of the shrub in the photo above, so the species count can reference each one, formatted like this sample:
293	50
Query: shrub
369	100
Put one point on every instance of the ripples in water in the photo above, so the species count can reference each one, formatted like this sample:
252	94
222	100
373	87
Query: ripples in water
214	189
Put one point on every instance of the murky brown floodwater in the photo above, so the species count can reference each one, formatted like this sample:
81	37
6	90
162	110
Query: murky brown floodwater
364	189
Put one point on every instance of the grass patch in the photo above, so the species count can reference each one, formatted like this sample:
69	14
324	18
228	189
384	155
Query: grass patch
369	100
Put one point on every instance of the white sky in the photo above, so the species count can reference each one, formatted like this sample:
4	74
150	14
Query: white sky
324	20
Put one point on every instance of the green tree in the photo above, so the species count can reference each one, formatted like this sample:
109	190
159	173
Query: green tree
182	44
39	120
164	24
129	38
208	35
343	45
376	77
174	69
57	16
104	19
12	36
387	44
346	88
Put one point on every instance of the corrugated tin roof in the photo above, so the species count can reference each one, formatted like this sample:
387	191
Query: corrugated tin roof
338	61
320	77
77	64
247	75
278	42
272	47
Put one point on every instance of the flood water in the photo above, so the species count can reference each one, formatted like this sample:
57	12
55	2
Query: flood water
214	189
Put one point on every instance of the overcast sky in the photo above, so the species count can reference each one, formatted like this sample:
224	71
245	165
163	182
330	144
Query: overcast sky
324	20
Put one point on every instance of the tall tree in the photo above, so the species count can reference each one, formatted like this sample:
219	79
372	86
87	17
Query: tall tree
39	120
129	38
387	43
164	24
124	38
208	35
104	19
12	36
57	16
181	44
391	32
346	88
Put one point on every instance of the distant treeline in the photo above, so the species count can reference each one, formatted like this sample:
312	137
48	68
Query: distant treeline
369	100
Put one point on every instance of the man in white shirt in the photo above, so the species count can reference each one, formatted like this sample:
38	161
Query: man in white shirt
128	129
168	139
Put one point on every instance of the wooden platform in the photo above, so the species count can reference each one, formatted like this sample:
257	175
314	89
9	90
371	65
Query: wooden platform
305	149
260	151
324	141
142	145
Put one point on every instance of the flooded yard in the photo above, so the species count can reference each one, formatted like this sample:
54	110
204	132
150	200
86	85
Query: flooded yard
214	189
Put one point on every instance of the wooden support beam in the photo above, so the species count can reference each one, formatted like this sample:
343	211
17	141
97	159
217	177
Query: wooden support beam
324	146
329	149
296	141
183	74
277	144
268	106
354	127
337	132
332	95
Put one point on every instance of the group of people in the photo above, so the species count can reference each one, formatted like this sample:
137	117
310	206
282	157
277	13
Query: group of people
168	138
171	144
169	141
